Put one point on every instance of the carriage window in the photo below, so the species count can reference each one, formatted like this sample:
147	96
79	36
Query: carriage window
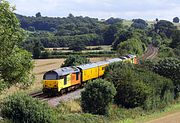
50	76
77	76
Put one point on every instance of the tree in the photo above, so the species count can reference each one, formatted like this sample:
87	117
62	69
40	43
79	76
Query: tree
139	87
175	39
37	49
77	46
38	14
170	68
139	23
97	96
131	46
164	28
176	20
74	60
15	63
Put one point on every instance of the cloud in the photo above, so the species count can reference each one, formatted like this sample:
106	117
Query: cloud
127	9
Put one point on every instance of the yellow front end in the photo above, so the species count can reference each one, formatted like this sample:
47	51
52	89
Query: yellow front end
52	86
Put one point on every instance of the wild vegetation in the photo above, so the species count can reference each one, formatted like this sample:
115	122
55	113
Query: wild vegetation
131	90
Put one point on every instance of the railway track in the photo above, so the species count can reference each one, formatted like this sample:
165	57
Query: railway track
54	101
150	53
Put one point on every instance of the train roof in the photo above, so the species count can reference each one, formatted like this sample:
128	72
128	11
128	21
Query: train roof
65	71
114	60
87	66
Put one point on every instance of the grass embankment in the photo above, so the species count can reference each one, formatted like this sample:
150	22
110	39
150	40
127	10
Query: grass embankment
117	115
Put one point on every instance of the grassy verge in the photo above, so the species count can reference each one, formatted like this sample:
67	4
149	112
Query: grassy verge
154	115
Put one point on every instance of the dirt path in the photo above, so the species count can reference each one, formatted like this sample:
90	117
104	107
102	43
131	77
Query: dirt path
169	118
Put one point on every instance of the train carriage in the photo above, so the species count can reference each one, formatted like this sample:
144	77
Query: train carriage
88	71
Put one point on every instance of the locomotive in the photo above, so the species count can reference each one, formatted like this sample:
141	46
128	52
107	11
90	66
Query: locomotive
68	78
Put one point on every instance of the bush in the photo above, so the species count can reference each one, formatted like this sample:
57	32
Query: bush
170	68
131	91
23	109
137	86
97	96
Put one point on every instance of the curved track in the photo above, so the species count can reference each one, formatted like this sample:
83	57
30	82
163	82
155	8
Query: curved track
54	101
150	53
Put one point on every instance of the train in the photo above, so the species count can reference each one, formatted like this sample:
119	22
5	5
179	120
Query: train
64	79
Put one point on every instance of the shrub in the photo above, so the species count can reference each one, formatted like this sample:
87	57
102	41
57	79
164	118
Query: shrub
170	68
97	96
23	109
137	86
131	91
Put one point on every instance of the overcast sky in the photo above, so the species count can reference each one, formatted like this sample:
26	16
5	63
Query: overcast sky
102	9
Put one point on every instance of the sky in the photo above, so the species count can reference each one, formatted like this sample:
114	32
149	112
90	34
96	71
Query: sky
102	9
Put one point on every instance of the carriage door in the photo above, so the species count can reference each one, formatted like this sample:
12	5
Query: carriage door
65	80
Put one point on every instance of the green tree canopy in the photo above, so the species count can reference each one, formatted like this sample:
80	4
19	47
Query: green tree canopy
15	63
131	46
170	68
74	60
97	96
176	20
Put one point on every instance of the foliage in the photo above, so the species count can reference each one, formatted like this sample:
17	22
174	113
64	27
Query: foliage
137	86
139	23
164	28
15	64
170	68
166	52
175	39
121	35
64	26
131	46
21	108
113	20
109	33
176	20
62	41
97	96
77	46
37	50
131	92
38	14
74	60
17	68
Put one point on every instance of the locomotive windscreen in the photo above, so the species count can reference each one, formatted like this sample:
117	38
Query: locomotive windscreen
50	76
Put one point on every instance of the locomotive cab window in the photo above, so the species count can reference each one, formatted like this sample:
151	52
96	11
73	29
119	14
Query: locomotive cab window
50	76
